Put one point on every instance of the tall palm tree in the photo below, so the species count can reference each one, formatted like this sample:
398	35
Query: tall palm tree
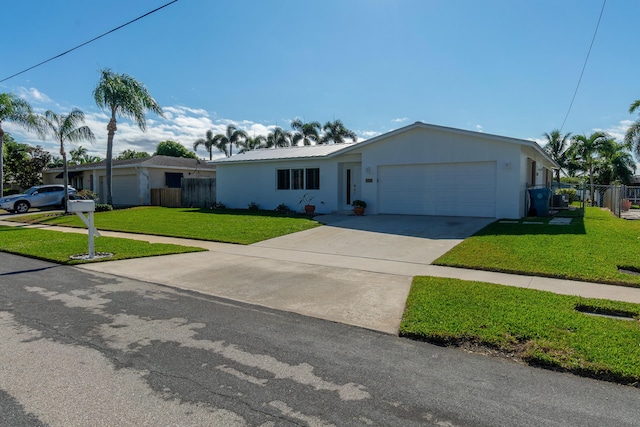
208	142
336	131
556	147
584	152
232	136
18	111
632	137
308	133
67	127
123	96
279	138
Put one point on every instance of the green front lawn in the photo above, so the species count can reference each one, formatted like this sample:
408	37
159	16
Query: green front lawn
229	226
540	328
56	246
589	249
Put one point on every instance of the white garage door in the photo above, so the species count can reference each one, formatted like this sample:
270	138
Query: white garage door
449	189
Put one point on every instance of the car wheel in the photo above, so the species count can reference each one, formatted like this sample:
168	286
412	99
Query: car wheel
21	207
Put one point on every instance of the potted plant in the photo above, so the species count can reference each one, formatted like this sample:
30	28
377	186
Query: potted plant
626	204
358	206
305	201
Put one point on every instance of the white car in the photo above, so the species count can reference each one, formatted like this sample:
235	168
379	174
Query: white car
36	197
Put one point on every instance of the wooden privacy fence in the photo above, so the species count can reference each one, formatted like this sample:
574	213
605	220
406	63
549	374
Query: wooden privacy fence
198	192
167	197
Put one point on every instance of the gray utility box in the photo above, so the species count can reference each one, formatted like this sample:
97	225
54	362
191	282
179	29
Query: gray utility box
81	206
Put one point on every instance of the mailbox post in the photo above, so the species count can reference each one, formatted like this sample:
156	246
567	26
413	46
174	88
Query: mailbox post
80	207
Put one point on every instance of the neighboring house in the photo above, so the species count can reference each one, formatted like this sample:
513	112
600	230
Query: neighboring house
419	169
132	179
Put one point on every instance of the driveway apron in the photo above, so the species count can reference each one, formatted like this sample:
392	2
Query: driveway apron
353	270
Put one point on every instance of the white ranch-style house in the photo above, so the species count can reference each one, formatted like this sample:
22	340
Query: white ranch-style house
420	169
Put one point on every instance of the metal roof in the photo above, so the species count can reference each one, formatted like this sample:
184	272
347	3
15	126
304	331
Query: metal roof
304	152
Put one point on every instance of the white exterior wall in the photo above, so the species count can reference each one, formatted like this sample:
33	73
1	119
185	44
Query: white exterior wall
239	184
421	146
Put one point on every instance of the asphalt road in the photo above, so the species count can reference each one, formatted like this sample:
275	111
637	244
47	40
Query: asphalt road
88	349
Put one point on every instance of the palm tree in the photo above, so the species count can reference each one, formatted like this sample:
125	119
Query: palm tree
632	137
19	112
77	155
67	128
556	148
208	142
615	163
584	152
279	138
254	143
308	133
336	131
233	136
126	97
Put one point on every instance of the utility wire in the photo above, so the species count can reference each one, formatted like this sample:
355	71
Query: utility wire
87	42
584	66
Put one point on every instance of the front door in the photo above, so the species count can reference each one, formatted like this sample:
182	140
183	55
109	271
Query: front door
351	183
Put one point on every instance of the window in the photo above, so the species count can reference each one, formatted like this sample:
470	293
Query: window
298	179
312	179
284	181
173	180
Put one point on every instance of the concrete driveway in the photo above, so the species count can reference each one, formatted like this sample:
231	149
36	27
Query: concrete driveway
353	270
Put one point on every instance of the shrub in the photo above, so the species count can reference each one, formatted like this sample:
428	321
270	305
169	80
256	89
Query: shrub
569	192
253	206
87	194
282	208
10	191
103	207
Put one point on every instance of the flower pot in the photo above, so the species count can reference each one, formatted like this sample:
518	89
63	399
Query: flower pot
626	204
309	209
358	210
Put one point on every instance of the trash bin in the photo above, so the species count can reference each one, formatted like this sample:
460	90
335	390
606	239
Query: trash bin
539	201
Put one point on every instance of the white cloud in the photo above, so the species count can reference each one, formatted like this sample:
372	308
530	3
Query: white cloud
400	119
32	95
368	133
617	131
479	128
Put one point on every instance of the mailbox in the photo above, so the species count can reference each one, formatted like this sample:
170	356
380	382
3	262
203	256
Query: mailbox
81	206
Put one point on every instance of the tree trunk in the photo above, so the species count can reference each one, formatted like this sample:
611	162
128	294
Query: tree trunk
1	161
65	177
111	127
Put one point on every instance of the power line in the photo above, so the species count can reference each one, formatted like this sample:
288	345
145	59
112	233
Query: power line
87	42
584	66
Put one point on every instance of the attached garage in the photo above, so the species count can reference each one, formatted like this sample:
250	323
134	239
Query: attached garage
447	189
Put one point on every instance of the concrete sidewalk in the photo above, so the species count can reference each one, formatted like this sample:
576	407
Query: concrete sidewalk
365	288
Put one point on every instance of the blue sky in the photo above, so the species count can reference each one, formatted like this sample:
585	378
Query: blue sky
502	67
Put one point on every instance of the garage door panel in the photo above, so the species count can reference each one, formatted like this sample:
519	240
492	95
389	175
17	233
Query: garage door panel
458	189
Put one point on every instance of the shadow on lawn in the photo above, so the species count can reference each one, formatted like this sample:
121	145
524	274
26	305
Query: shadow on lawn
245	212
532	226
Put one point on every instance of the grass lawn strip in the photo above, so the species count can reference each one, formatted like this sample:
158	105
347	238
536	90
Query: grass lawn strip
540	328
589	249
227	226
56	246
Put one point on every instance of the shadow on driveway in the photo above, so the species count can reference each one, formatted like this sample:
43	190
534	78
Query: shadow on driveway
429	227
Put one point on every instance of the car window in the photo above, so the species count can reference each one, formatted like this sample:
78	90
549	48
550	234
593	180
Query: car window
31	191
